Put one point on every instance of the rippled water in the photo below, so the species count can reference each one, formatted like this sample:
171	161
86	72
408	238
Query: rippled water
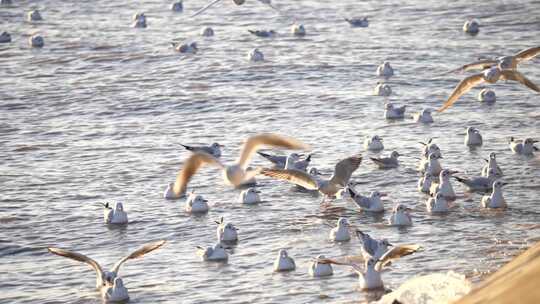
98	114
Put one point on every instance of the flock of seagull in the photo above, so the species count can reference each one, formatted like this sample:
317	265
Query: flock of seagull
375	253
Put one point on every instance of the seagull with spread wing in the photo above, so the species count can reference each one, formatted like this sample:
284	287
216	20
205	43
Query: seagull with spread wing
108	282
506	62
342	174
491	75
236	174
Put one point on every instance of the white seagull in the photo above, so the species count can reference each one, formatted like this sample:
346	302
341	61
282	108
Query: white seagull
525	147
487	95
387	162
424	182
492	165
496	199
444	186
317	269
437	204
284	262
115	215
250	196
371	203
400	216
341	232
216	253
423	116
473	137
385	70
373	143
226	232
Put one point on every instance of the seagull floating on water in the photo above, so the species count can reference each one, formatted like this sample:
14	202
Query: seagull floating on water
480	183
115	215
385	70
341	232
298	30
473	137
177	6
424	183
36	41
400	216
487	95
250	196
34	15
371	203
263	33
195	203
109	283
207	31
226	232
284	262
317	269
492	165
382	89
5	37
387	162
185	48
423	116
432	165
255	55
216	253
381	249
139	20
496	199
525	147
393	112
444	186
437	204
358	22
373	143
471	27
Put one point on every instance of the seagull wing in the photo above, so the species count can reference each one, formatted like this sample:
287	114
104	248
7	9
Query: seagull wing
477	65
299	178
137	254
253	143
395	253
191	165
527	54
517	76
275	159
78	257
205	8
352	261
368	243
463	87
344	169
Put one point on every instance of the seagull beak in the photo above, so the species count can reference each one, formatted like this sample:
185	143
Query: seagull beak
487	161
217	222
424	144
453	172
535	141
383	194
257	191
206	201
504	184
390	244
408	209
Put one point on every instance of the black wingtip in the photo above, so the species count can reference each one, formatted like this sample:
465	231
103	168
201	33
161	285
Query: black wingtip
351	192
308	158
459	179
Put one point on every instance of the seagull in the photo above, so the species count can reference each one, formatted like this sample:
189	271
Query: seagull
393	112
358	22
342	173
505	63
226	232
400	216
214	149
115	215
444	186
297	164
373	143
382	89
255	55
263	33
487	95
317	269
429	147
284	262
385	70
437	204
525	147
376	249
281	161
196	204
108	282
207	32
177	6
341	232
432	165
492	165
5	37
471	27
216	253
237	2
139	20
481	183
424	183
371	203
473	137
34	15
387	162
491	75
496	199
423	116
36	41
250	196
235	174
298	30
185	48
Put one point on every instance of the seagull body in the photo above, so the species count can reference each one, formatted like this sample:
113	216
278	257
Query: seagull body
473	137
250	196
492	165
236	174
429	148
291	161
372	248
496	199
185	48
443	186
207	32
393	112
214	149
525	147
371	203
487	95
400	216
471	27
432	165
423	116
382	89
263	33
373	143
369	277
341	232
115	215
505	63
342	173
284	262
195	203
424	183
358	22
5	37
437	204
109	283
216	253
385	70
226	232
34	16
255	55
317	269
491	75
36	41
298	30
481	183
139	20
387	162
177	6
